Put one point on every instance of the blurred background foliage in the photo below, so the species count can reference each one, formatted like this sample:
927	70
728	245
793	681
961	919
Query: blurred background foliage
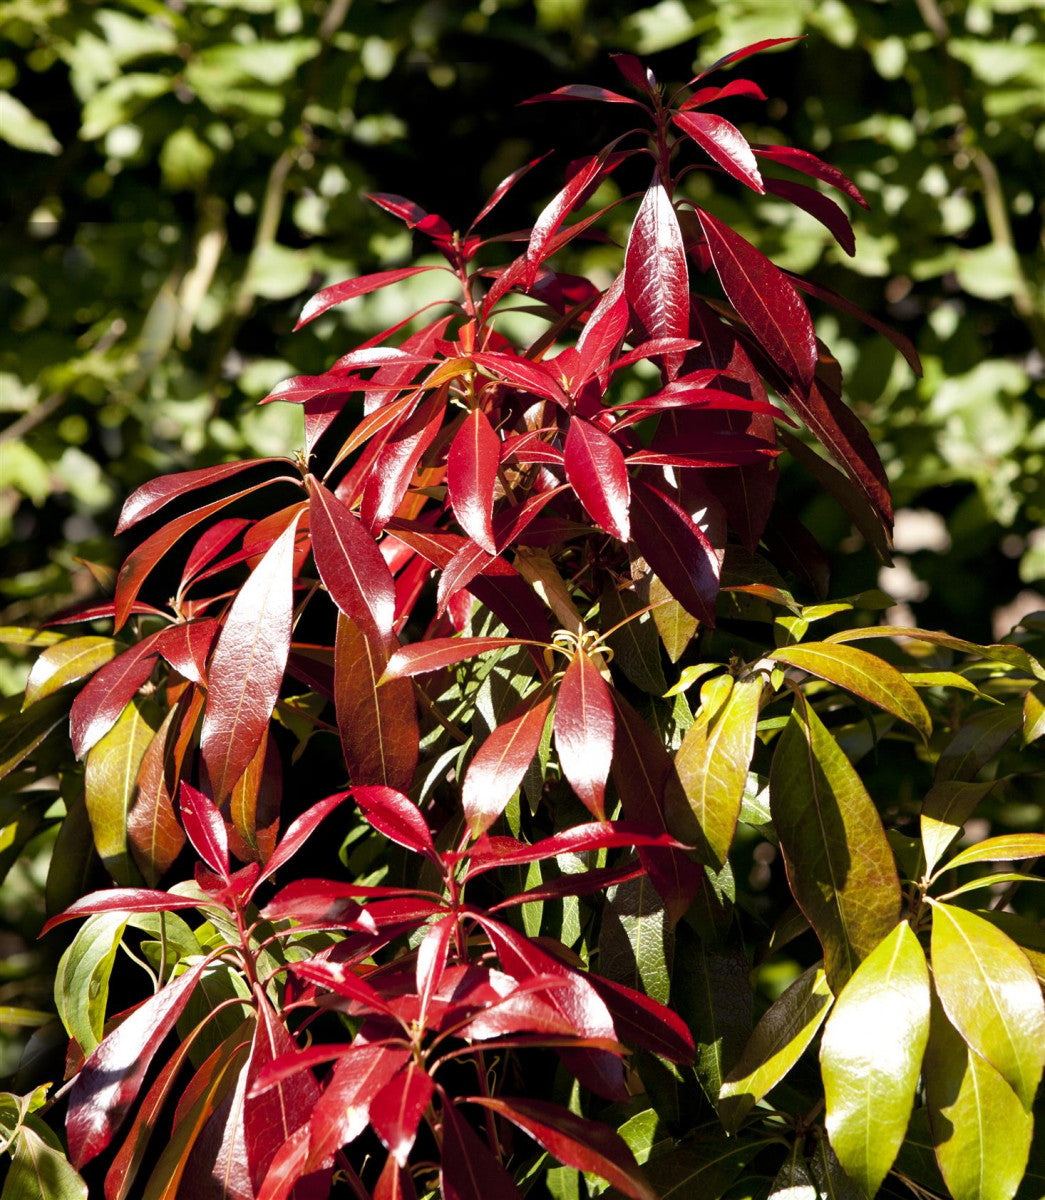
180	174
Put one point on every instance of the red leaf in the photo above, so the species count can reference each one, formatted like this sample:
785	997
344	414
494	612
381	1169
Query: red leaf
413	215
97	708
826	211
722	141
469	561
498	768
210	544
247	666
471	474
644	1023
736	56
109	1082
349	562
187	646
655	272
431	959
676	549
152	496
595	835
397	817
598	474
557	209
342	980
536	377
394	466
765	298
287	1166
324	904
583	91
298	831
583	731
468	1169
633	71
377	725
398	1108
338	293
575	1141
436	653
809	164
394	1182
502	189
603	332
121	900
206	829
154	836
585	883
735	87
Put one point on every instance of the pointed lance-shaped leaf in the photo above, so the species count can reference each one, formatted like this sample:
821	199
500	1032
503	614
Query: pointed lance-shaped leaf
656	277
122	900
467	1168
809	164
471	475
338	293
583	731
597	472
823	208
838	860
500	764
436	653
206	829
777	1043
397	1109
349	562
871	1056
676	549
98	706
991	995
247	666
1010	847
68	661
723	142
397	817
152	496
765	298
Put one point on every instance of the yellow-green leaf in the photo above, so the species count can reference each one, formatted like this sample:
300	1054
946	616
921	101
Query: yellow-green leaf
864	675
991	995
871	1056
81	983
712	762
1013	656
1008	848
785	1030
40	1170
1034	714
66	662
945	809
981	1132
674	624
839	864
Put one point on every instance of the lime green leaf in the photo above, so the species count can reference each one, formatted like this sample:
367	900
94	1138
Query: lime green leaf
19	127
121	101
991	995
1034	714
864	675
1002	877
785	1030
1008	848
25	1018
1013	656
67	662
712	762
981	1132
839	864
40	1171
946	679
635	941
871	1056
674	624
945	809
81	983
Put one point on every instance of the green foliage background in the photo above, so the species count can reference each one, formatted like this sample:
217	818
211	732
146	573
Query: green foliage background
179	175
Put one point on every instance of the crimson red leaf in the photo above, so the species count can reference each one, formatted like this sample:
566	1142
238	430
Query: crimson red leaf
187	646
394	466
532	376
297	831
414	216
471	474
557	209
502	189
431	958
826	211
736	56
397	817
765	298
469	561
436	653
735	87
633	71
397	1109
97	708
722	141
152	496
210	544
595	835
644	1023
468	1170
598	474
121	900
575	1141
602	332
349	562
342	980
583	730
206	829
109	1082
584	884
324	904
394	1182
287	1166
338	293
247	666
656	278
809	164
676	549
583	91
498	768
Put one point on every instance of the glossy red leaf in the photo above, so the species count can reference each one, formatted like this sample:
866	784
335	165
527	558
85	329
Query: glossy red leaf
723	142
676	549
736	56
187	647
467	1168
127	900
325	904
377	724
397	1109
247	666
603	332
343	981
298	831
809	164
469	561
575	1141
633	71
210	544
110	1079
412	214
583	731
431	958
765	298
578	839
645	1024
531	376
505	186
397	817
152	496
206	829
154	835
735	87
349	562
287	1166
656	277
585	883
394	466
471	475
97	707
338	293
497	770
583	91
558	208
826	211
436	653
597	472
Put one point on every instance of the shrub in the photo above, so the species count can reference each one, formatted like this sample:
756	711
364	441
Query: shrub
527	597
